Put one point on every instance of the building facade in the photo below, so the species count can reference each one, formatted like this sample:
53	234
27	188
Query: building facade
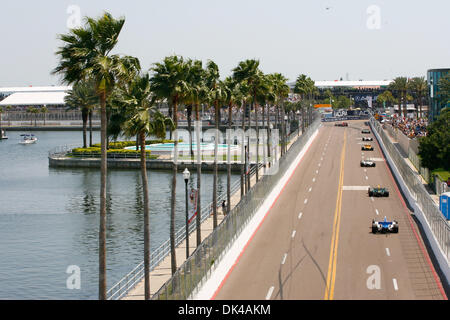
436	104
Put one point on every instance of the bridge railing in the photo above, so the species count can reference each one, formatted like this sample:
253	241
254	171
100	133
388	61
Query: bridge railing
197	268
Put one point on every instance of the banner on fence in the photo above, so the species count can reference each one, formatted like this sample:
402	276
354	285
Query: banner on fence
193	196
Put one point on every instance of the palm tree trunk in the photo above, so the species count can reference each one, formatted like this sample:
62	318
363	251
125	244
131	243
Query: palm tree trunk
90	128
248	148
216	147
102	230
173	199
199	176
257	142
146	216
230	116
84	116
243	180
189	119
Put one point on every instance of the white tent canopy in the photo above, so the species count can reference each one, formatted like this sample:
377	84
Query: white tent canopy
34	99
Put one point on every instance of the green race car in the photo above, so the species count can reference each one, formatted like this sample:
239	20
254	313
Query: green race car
378	192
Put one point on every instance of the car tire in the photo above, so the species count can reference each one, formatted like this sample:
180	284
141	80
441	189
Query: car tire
395	230
370	193
374	230
387	193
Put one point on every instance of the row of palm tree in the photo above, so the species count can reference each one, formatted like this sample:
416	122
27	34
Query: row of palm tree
403	89
127	98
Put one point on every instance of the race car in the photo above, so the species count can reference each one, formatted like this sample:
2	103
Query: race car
365	131
343	124
367	139
367	163
367	147
378	192
384	226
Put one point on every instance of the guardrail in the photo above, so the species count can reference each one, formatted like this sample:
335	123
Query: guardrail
438	224
198	266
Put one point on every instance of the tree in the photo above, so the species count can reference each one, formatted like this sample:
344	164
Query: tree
249	72
143	120
386	99
216	95
86	54
434	149
444	89
400	89
419	88
83	97
170	81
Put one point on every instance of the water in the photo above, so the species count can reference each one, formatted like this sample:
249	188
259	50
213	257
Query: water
49	219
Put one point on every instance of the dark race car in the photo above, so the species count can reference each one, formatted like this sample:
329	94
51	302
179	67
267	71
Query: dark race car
367	147
384	226
365	131
367	163
343	124
367	139
378	192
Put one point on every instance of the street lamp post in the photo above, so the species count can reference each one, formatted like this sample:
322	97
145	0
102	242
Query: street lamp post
186	176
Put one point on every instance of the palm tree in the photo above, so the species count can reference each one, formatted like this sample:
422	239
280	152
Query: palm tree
216	95
86	54
83	97
170	81
419	87
249	72
281	91
197	91
143	120
44	110
400	88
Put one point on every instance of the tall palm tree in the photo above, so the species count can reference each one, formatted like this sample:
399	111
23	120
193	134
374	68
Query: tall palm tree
86	54
216	95
418	87
143	120
400	88
281	91
170	81
84	97
197	92
249	72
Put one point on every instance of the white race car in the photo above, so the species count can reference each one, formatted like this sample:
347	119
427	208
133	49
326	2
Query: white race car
367	163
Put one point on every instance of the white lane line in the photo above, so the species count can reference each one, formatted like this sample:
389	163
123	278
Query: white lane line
306	200
376	211
319	164
300	215
395	284
269	293
388	252
284	258
321	159
367	178
371	198
355	188
309	189
293	234
314	179
317	171
365	170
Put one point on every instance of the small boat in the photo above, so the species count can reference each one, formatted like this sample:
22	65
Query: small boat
3	136
28	139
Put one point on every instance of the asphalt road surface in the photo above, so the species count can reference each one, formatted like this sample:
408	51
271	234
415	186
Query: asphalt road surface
316	242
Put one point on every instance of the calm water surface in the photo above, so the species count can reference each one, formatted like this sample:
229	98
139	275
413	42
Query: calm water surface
49	219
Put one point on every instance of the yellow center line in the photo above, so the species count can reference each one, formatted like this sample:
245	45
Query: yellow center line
331	276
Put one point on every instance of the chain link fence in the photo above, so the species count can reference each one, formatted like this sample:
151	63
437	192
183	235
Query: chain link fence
434	217
198	267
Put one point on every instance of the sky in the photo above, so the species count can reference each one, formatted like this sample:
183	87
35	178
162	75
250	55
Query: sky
324	39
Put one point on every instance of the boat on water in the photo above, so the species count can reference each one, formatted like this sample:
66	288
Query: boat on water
3	136
28	139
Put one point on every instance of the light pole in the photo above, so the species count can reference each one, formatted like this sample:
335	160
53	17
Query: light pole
186	176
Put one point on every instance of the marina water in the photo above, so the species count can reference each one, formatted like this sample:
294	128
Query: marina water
49	218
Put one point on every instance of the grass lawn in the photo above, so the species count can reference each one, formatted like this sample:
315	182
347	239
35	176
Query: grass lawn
444	175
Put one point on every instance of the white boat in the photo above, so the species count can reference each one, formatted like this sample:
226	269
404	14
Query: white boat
3	136
28	139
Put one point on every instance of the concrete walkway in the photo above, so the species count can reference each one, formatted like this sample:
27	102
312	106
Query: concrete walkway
162	273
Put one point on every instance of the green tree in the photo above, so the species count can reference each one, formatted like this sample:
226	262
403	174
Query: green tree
170	81
434	149
83	97
86	54
143	120
399	88
444	89
419	88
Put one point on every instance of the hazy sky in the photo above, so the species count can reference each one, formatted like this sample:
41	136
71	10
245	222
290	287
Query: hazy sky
364	39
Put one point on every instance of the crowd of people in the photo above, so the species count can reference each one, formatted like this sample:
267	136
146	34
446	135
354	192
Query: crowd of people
412	128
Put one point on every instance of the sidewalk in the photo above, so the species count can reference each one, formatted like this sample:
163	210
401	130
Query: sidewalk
162	273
